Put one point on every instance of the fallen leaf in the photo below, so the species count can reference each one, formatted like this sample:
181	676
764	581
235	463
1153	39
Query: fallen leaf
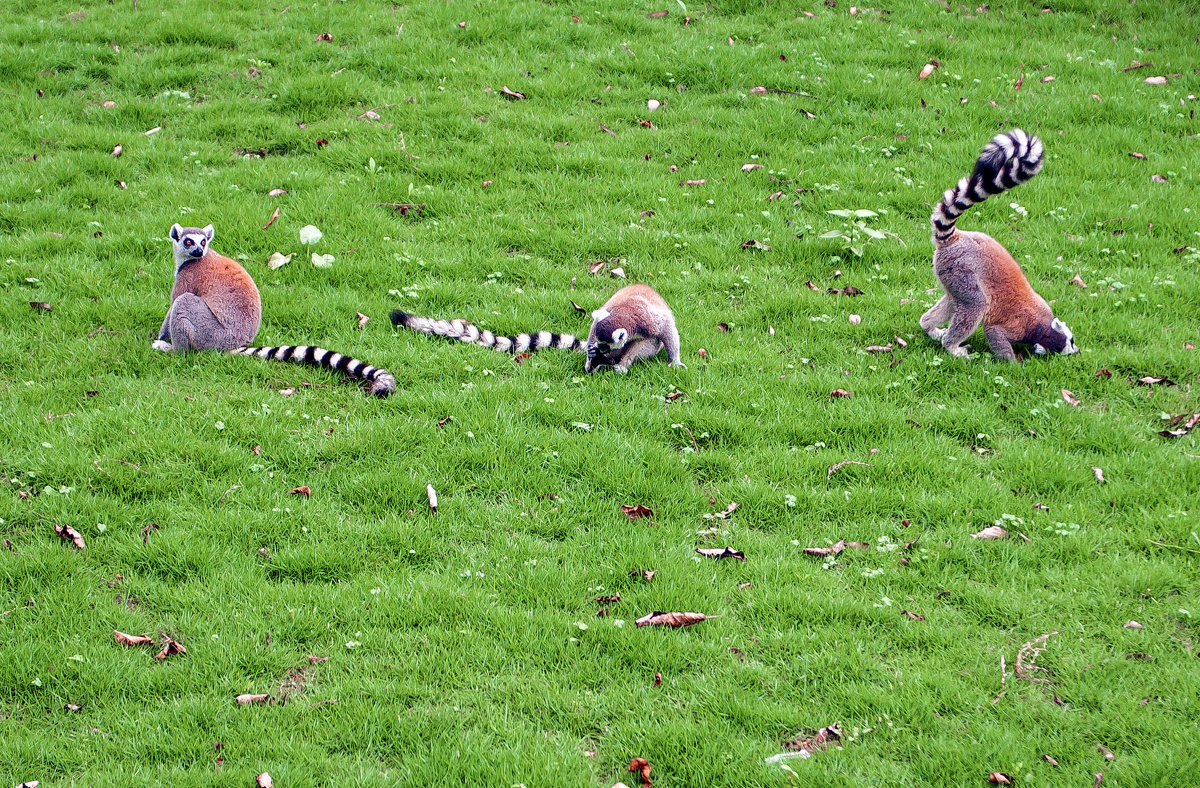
1098	473
657	15
149	529
108	104
154	130
1159	80
751	167
431	494
640	766
322	260
1047	78
264	781
462	25
636	511
1020	81
646	124
724	327
1069	398
1099	779
912	615
289	391
132	640
1141	655
645	214
1158	178
774	196
618	272
753	244
321	143
878	348
122	185
745	586
1077	280
1153	380
309	234
821	552
841	393
607	600
276	192
1136	155
72	707
305	491
848	290
1050	760
660	619
721	552
1132	625
170	649
657	679
809	284
653	104
1041	506
1107	753
1000	778
926	70
278	260
1103	373
256	450
991	532
117	151
702	353
43	306
250	699
696	182
826	737
645	574
511	94
596	267
314	659
362	320
69	534
271	221
324	37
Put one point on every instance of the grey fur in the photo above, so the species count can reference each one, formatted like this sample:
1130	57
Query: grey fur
472	335
634	324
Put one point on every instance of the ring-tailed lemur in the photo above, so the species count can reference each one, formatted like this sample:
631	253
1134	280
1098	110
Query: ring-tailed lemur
635	323
983	283
215	306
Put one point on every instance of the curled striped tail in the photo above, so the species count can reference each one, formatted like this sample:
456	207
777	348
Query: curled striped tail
1008	160
382	382
466	332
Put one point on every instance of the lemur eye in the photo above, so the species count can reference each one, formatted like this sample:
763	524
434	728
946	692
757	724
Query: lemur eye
187	242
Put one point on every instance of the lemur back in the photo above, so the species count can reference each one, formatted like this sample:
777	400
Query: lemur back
635	323
215	305
983	283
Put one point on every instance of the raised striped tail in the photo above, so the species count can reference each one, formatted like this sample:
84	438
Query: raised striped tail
381	381
1008	160
466	332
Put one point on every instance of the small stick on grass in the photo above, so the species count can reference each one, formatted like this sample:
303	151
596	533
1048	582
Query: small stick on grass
835	468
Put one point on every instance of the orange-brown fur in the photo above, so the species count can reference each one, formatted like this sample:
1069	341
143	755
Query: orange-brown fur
227	288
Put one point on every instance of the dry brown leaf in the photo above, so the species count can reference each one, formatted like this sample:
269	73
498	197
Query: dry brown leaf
878	348
69	534
823	739
304	490
832	469
276	192
1050	760
289	391
1159	80
607	600
153	131
1154	380
362	320
912	615
926	70
122	185
724	327
271	221
646	214
1069	398
1132	625
1099	779
991	532
1136	155
821	552
29	784
660	619
264	781
1077	280
721	552
1047	78
1158	178
1000	778
645	574
1108	755
117	151
431	494
1098	473
774	195
694	182
1042	506
512	94
753	244
646	124
640	766
809	284
462	25
313	659
702	353
657	679
841	393
636	511
751	167
1103	373
251	699
855	319
132	640
486	184
170	649
596	267
618	272
43	306
324	37
1020	81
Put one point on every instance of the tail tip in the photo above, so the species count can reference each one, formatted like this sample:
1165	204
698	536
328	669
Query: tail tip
383	385
399	317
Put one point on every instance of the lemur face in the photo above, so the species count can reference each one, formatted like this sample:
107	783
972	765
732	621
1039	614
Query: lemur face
1057	339
605	339
1069	345
190	243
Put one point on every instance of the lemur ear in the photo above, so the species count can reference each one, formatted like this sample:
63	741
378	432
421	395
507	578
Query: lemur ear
1041	351
176	231
620	335
600	314
208	232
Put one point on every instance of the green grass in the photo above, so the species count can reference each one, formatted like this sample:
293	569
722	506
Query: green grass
472	662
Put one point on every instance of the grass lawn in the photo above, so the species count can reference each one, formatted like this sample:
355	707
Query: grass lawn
464	647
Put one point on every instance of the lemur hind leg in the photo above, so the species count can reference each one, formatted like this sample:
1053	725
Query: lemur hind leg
938	314
193	326
637	349
671	342
1001	345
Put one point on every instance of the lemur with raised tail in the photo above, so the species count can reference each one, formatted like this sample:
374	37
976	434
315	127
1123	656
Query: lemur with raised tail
634	324
983	283
215	306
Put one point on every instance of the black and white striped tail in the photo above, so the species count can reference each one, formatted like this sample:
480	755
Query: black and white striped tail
466	332
1008	160
382	382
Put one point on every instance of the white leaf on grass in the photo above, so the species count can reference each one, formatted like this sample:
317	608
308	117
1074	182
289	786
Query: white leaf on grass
991	532
322	260
310	234
279	260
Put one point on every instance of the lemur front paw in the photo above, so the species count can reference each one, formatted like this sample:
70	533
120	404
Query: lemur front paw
962	351
620	368
165	347
678	364
935	333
